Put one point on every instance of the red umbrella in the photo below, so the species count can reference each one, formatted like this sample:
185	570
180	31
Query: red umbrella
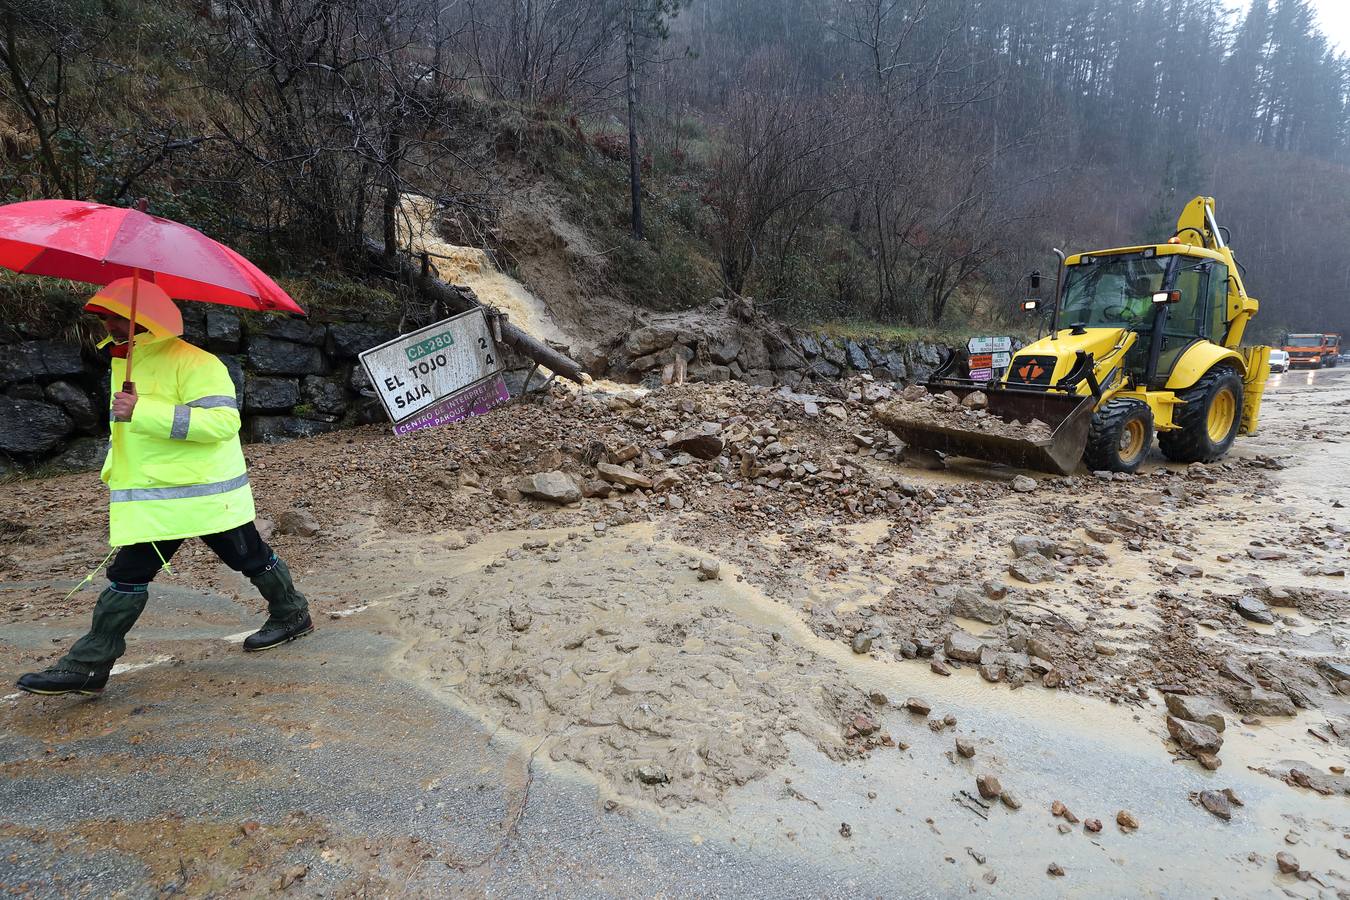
99	244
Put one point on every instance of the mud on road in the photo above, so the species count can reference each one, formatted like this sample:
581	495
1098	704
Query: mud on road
697	678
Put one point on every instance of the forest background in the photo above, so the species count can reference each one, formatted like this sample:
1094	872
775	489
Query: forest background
903	164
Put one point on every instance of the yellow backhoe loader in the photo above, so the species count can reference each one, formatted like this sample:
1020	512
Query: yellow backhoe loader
1142	340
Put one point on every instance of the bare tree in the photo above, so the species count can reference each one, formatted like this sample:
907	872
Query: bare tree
783	157
337	103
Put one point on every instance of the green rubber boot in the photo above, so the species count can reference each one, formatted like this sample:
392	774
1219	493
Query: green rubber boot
287	609
114	615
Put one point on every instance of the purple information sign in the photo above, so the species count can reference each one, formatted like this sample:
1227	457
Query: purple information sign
472	401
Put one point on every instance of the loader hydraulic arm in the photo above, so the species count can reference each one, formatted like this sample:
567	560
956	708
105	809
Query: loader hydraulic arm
1197	219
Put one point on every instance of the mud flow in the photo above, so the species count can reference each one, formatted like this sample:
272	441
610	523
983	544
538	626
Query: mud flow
754	649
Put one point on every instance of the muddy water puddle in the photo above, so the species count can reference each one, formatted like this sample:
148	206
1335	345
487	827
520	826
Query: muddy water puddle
715	706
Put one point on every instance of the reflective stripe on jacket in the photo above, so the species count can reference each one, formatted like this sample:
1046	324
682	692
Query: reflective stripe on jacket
176	470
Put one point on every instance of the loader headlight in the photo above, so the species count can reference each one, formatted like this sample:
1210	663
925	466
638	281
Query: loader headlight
1167	297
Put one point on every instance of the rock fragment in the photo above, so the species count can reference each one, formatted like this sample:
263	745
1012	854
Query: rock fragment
1195	709
297	521
1261	702
988	786
1287	863
1254	610
555	486
1126	820
965	748
1194	737
962	646
1216	804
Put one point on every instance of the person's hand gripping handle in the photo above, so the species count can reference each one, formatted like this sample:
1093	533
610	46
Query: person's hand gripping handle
124	402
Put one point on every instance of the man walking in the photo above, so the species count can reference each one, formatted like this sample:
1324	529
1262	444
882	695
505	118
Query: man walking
175	470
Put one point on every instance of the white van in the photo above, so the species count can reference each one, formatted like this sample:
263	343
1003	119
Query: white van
1279	361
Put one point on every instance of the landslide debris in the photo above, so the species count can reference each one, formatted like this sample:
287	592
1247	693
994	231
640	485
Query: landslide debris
917	406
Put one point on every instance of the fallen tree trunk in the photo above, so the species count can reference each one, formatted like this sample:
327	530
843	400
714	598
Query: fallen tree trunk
459	299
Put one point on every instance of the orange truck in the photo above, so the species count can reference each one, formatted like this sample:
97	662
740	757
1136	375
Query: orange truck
1313	351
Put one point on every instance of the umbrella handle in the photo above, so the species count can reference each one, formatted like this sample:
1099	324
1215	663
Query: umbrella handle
127	386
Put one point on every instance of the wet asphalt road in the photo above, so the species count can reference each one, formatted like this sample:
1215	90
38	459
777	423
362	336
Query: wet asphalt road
209	772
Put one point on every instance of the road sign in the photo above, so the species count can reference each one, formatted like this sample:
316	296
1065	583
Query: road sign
472	401
989	344
981	361
1001	360
416	371
981	374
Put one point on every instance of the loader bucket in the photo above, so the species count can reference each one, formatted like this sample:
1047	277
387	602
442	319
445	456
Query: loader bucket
1067	415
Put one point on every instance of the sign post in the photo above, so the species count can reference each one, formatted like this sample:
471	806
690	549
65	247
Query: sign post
439	374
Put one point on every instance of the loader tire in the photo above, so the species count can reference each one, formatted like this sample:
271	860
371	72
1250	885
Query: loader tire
1120	436
1208	421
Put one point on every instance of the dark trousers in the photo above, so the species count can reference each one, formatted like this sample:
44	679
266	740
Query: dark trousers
136	565
241	548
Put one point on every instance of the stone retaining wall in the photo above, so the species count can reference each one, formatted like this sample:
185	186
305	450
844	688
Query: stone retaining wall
296	377
292	378
734	343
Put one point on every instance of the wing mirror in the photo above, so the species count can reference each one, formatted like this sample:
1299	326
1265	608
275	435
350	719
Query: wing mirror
1033	303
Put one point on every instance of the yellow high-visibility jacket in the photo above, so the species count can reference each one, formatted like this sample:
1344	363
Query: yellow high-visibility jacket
176	470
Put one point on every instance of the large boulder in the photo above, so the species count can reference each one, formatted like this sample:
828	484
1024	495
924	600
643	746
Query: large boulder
969	603
40	360
696	442
31	428
76	404
269	356
222	331
648	339
1258	701
1193	736
963	646
325	395
809	346
555	486
1195	709
1032	569
754	355
624	476
298	331
269	395
709	373
726	350
346	340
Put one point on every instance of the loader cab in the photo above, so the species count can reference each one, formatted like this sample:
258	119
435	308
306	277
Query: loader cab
1171	300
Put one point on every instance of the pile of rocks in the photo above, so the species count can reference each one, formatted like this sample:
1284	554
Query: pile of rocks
730	341
917	406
